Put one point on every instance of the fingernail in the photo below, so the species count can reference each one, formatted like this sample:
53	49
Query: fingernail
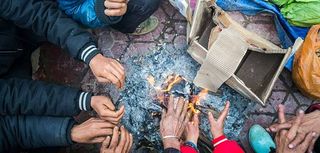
268	129
209	113
314	134
122	127
301	111
291	146
272	129
108	137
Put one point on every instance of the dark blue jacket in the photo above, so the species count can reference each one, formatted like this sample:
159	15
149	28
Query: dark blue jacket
21	98
32	113
88	12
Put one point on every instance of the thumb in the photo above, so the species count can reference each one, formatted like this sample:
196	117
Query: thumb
108	103
211	119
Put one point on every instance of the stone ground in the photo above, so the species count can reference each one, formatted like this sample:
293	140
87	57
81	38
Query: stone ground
57	67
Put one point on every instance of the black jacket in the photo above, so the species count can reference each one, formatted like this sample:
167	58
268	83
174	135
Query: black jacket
32	113
46	20
19	98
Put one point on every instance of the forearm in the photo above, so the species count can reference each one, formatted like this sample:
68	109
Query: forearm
46	20
28	132
28	97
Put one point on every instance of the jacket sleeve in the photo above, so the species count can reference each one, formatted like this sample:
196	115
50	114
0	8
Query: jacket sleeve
46	20
171	150
189	147
223	145
27	97
28	132
88	12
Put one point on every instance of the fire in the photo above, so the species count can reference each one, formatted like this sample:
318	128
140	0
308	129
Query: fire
168	85
196	100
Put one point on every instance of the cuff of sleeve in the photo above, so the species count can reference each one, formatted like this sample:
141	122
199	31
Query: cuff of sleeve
313	107
85	101
192	145
106	20
219	140
88	52
70	125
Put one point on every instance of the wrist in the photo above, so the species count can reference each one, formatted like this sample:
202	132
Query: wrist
171	143
217	135
73	134
94	59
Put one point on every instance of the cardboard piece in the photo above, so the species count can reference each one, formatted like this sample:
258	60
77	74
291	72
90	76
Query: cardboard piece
228	53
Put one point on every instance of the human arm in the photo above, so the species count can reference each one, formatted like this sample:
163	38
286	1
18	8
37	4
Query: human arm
173	122
46	20
94	13
220	142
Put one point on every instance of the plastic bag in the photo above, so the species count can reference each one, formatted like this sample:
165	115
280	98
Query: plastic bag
302	13
306	66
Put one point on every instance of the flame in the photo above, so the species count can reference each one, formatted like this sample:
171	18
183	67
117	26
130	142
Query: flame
196	100
175	80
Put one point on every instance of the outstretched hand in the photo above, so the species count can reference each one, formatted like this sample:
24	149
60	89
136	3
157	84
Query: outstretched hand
173	122
218	125
108	70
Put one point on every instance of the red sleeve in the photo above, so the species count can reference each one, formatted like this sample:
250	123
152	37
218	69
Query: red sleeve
187	149
223	145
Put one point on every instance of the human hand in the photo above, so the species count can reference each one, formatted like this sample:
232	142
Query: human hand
107	70
286	140
192	130
106	110
115	7
173	122
114	145
91	131
218	125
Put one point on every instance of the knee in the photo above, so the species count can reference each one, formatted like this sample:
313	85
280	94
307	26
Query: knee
149	6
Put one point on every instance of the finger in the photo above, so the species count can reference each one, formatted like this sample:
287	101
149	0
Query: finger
297	140
113	114
293	130
113	12
196	119
109	104
126	145
278	127
119	73
180	106
98	139
103	132
282	118
104	124
224	113
114	5
103	80
305	144
106	142
163	114
122	140
131	142
211	119
119	65
114	119
311	146
115	138
171	105
110	74
185	111
119	1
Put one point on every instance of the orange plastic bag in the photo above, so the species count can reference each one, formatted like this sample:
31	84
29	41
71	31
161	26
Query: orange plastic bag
306	66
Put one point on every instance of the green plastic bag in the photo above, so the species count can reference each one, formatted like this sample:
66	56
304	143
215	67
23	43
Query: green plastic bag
302	13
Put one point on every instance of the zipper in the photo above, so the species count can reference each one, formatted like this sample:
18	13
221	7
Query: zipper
10	51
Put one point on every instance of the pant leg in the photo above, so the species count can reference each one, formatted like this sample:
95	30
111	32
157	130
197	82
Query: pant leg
138	11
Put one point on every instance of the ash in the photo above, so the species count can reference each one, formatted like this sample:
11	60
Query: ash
142	114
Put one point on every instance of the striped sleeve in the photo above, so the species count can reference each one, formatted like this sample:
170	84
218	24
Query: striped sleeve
84	101
88	52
